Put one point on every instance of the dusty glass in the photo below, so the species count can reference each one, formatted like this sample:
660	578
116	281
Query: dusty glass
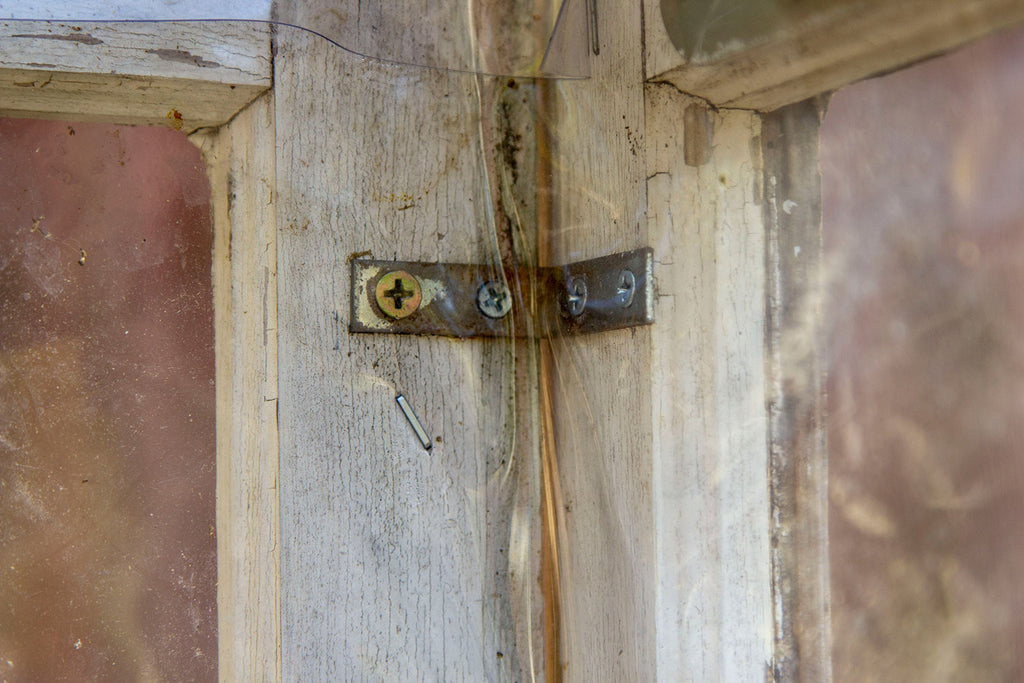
107	472
921	181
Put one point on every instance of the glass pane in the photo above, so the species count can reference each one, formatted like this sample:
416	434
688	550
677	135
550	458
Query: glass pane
923	209
107	424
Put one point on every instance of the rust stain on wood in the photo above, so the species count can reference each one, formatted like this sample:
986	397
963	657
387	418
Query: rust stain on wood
552	516
176	118
33	84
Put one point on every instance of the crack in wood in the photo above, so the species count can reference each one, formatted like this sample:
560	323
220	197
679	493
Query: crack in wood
85	39
183	56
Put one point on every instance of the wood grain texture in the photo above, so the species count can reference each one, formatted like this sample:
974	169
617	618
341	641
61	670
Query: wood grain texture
796	393
600	384
509	141
113	10
186	76
709	428
661	433
241	160
394	559
835	45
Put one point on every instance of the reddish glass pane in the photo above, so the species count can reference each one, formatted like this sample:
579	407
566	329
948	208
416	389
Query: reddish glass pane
107	479
923	198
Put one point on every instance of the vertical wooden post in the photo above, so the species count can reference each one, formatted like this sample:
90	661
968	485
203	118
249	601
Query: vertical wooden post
709	429
241	158
796	402
394	559
600	384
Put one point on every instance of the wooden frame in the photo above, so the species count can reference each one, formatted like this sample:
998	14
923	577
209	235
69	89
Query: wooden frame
684	533
825	46
141	74
241	157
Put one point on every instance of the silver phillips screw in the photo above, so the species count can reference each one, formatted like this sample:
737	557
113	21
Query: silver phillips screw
626	289
494	299
576	289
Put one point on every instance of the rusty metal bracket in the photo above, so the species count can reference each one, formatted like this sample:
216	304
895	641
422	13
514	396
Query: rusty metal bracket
468	300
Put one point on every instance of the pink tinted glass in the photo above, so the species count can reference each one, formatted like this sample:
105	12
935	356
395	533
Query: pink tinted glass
923	196
107	547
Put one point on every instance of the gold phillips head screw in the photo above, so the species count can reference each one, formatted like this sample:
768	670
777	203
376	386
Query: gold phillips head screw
398	294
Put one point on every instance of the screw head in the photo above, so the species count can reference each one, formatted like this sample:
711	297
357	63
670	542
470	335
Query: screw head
494	299
576	295
398	294
626	289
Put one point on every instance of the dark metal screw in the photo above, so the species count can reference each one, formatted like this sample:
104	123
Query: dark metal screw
494	299
626	289
576	288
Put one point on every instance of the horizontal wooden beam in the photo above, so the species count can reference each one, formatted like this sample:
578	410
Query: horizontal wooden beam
816	50
183	75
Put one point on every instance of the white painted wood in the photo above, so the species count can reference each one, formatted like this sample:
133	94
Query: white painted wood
393	560
186	76
487	37
135	10
389	552
230	53
829	46
241	161
710	470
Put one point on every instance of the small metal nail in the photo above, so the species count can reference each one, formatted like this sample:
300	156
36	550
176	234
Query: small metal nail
494	299
626	289
595	38
398	294
417	427
576	291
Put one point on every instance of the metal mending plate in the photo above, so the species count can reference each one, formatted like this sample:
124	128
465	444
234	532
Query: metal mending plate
448	299
469	300
619	292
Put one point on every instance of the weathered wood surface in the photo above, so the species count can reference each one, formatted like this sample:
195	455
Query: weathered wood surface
394	559
661	432
709	430
796	392
159	10
600	384
136	75
241	161
822	47
187	76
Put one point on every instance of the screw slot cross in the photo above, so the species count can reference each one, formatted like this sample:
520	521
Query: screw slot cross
576	295
398	294
494	299
626	289
496	296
